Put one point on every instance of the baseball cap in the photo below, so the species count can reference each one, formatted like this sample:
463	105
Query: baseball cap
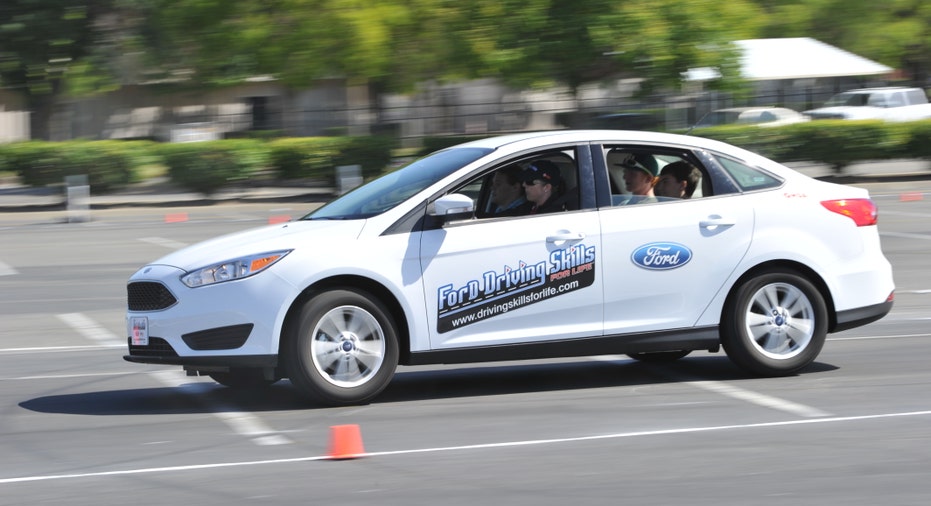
641	161
542	170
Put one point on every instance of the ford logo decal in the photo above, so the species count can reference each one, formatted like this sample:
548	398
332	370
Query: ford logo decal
661	256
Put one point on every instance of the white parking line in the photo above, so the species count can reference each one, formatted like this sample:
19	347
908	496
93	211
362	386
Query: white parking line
58	349
744	395
67	376
161	241
242	423
861	338
509	444
90	329
6	270
759	399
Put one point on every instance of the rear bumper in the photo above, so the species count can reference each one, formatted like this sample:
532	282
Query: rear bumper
860	316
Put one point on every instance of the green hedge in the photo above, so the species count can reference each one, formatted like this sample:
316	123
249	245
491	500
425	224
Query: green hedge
837	143
203	167
206	167
304	157
107	164
316	157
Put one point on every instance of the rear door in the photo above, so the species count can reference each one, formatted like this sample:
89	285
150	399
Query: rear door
664	261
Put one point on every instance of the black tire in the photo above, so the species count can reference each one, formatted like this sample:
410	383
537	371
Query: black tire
342	348
242	378
774	324
659	356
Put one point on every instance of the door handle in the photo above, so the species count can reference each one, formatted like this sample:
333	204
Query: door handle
714	222
565	237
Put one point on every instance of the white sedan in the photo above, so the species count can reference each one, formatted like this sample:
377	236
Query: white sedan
762	116
416	268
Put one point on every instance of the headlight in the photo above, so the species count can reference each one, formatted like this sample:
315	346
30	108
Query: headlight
229	270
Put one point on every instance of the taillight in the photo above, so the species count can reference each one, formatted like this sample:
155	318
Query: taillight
861	211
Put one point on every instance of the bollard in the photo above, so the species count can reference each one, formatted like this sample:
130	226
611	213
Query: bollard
348	177
78	196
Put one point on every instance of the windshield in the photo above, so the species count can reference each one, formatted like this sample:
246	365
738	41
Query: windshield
854	99
391	189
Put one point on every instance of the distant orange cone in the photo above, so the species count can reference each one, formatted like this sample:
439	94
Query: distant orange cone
176	218
911	196
281	218
345	442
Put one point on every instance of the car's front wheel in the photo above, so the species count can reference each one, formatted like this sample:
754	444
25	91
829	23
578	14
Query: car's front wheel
774	324
342	348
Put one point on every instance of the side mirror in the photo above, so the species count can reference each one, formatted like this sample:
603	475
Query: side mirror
454	205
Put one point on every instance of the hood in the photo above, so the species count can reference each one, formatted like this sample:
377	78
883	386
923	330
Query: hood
842	112
285	236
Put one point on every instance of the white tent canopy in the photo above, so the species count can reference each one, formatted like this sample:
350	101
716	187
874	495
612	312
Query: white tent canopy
794	58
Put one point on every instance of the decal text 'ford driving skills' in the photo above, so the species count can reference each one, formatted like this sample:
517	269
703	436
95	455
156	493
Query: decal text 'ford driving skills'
497	293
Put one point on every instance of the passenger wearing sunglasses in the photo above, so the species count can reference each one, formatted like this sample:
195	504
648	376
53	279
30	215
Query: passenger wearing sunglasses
543	186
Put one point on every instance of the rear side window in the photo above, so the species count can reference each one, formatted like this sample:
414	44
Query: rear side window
748	178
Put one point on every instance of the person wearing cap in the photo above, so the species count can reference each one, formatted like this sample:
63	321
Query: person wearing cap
677	180
507	192
640	172
543	186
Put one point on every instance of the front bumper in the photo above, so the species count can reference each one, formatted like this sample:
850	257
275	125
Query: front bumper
234	323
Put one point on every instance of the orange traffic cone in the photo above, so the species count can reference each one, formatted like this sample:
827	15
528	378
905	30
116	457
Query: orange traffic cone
345	442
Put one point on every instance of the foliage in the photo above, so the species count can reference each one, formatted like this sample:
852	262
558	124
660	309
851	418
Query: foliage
107	164
837	143
304	157
318	157
372	153
918	142
205	167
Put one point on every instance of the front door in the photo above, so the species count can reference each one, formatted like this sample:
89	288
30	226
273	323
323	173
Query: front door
517	280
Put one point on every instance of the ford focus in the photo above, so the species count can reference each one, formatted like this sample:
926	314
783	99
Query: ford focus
539	245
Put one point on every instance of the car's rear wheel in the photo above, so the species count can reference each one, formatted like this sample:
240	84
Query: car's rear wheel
774	324
342	348
659	356
243	378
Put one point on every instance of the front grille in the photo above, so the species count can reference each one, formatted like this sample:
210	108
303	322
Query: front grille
157	347
148	296
221	338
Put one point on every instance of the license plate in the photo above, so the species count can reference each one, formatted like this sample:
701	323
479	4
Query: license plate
140	331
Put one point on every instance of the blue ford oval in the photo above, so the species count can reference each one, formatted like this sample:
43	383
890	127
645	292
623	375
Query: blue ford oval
661	256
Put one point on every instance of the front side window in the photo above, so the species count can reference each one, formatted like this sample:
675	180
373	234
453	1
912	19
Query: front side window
536	183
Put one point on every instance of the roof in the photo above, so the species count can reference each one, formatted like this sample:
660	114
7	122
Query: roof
795	58
801	58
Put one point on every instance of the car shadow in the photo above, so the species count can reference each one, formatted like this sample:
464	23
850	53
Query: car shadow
409	384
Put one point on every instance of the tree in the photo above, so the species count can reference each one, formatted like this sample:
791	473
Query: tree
40	42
